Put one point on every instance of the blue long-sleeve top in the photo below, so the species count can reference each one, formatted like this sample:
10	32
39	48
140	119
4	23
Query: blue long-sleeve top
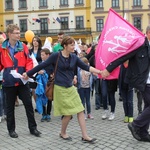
65	68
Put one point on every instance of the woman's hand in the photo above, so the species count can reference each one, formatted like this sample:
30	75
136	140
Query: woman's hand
41	72
75	80
104	73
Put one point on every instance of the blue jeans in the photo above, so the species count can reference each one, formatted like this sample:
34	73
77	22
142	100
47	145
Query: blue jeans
98	99
85	98
2	103
127	97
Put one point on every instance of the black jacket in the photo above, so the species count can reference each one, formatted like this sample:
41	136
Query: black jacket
138	69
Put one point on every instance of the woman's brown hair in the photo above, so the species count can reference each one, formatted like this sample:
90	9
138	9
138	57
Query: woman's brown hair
67	40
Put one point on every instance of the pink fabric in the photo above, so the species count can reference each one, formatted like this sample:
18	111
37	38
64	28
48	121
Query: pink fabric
118	38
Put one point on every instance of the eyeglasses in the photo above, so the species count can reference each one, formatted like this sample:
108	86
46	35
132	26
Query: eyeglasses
16	33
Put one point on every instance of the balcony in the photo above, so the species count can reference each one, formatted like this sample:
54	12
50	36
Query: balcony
54	32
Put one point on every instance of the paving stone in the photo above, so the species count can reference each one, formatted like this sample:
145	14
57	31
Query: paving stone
111	135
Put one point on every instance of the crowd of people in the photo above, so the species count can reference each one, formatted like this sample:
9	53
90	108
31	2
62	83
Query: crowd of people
76	80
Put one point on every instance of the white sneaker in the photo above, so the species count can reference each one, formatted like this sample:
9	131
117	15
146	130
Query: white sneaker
112	116
105	115
0	119
85	116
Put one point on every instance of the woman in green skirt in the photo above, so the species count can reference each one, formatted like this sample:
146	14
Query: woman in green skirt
66	98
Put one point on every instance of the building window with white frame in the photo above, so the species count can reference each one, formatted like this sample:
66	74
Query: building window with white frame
78	2
136	2
63	2
23	25
44	25
99	3
22	4
99	25
115	3
64	23
43	3
79	22
8	4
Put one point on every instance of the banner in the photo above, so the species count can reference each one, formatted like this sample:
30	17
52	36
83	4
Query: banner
118	38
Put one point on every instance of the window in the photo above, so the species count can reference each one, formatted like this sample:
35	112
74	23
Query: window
22	4
136	2
78	2
99	3
99	25
115	3
44	25
63	2
9	22
79	22
64	22
43	3
8	4
137	22
23	25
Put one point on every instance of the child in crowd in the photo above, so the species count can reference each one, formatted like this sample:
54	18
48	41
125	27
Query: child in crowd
84	88
46	115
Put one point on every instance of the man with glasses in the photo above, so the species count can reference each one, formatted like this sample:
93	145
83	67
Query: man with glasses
14	56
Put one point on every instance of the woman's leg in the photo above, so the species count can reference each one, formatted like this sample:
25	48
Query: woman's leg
82	124
65	121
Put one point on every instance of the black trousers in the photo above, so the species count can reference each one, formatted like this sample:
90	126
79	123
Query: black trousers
143	120
23	91
47	109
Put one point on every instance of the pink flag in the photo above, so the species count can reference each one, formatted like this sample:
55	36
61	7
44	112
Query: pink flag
118	38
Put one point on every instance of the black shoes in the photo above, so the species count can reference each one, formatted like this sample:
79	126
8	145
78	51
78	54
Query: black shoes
67	138
134	132
92	141
145	138
13	134
35	132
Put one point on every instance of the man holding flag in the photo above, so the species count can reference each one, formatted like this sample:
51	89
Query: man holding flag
126	46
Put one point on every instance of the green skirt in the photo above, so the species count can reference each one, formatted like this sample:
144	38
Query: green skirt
66	101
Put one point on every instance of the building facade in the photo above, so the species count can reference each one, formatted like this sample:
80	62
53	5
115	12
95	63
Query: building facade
82	19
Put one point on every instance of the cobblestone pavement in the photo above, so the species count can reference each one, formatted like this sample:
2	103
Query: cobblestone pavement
111	135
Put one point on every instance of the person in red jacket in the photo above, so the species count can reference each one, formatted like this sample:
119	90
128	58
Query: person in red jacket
14	56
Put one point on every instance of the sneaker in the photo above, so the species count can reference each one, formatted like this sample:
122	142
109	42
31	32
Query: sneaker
126	119
85	116
130	119
0	119
105	115
145	138
43	118
48	118
112	116
90	116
